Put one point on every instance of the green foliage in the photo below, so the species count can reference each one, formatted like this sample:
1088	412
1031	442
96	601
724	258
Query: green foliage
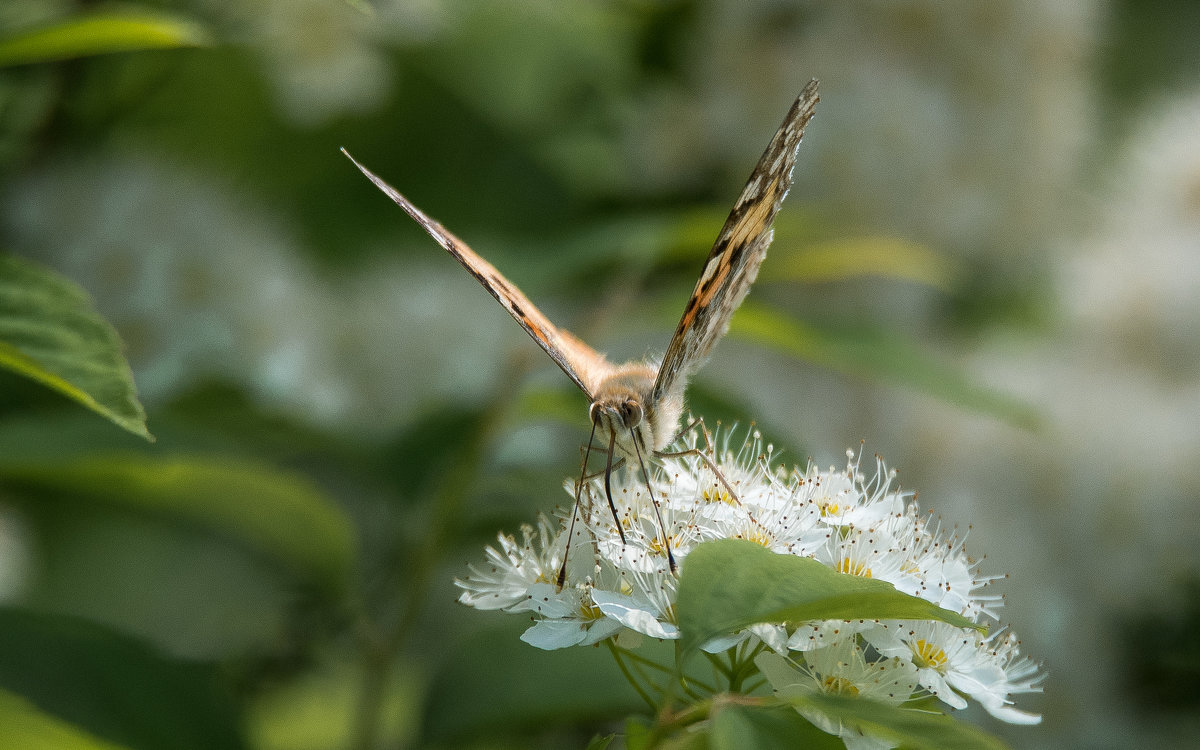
278	514
110	686
728	584
28	728
920	730
50	333
307	557
601	742
97	34
884	257
522	690
883	355
768	727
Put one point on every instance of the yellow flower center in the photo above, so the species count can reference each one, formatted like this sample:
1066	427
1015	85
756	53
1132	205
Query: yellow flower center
928	655
715	495
839	686
656	545
759	536
853	567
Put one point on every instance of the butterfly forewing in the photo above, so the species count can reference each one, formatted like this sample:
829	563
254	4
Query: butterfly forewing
635	405
582	364
740	248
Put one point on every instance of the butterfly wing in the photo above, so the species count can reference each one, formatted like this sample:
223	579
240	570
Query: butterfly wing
582	364
733	262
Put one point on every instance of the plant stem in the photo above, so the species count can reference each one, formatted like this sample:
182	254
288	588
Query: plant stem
380	642
617	655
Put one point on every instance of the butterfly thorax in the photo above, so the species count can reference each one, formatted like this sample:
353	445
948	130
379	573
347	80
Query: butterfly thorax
624	408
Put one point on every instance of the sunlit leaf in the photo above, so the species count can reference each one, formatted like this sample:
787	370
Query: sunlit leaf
274	512
113	687
728	584
50	332
887	257
870	352
28	728
918	730
97	34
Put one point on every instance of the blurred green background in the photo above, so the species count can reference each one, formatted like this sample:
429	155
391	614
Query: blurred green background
988	269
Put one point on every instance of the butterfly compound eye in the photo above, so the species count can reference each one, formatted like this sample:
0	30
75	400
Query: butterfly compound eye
631	413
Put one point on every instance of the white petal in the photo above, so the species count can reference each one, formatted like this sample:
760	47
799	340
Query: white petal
723	642
1014	716
775	636
629	613
601	629
782	676
554	634
933	681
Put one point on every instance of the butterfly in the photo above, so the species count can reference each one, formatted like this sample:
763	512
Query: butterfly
638	405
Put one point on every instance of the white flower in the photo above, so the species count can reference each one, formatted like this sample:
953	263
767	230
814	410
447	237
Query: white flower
648	607
843	669
619	583
511	577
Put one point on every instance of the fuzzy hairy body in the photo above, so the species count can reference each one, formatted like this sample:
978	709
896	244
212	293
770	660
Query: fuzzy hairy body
625	410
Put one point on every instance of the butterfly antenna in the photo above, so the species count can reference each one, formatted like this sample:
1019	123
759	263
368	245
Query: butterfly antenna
562	571
612	442
650	492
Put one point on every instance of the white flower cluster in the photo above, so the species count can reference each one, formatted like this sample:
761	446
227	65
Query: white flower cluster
860	525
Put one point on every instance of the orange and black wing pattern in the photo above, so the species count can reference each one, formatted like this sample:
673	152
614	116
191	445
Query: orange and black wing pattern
733	263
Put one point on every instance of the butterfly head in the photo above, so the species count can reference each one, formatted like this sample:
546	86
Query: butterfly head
625	408
617	416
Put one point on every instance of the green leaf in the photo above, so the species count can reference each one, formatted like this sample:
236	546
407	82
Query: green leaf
728	584
637	733
97	34
876	353
50	333
738	726
916	730
601	742
887	257
30	729
113	687
275	512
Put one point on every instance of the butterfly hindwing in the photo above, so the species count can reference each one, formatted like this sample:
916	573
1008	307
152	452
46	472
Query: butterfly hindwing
582	364
733	263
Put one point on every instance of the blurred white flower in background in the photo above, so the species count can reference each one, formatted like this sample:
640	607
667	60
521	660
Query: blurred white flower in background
1111	476
326	60
201	284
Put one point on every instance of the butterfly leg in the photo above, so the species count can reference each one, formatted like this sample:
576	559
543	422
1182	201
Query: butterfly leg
708	456
583	477
705	454
657	511
588	477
